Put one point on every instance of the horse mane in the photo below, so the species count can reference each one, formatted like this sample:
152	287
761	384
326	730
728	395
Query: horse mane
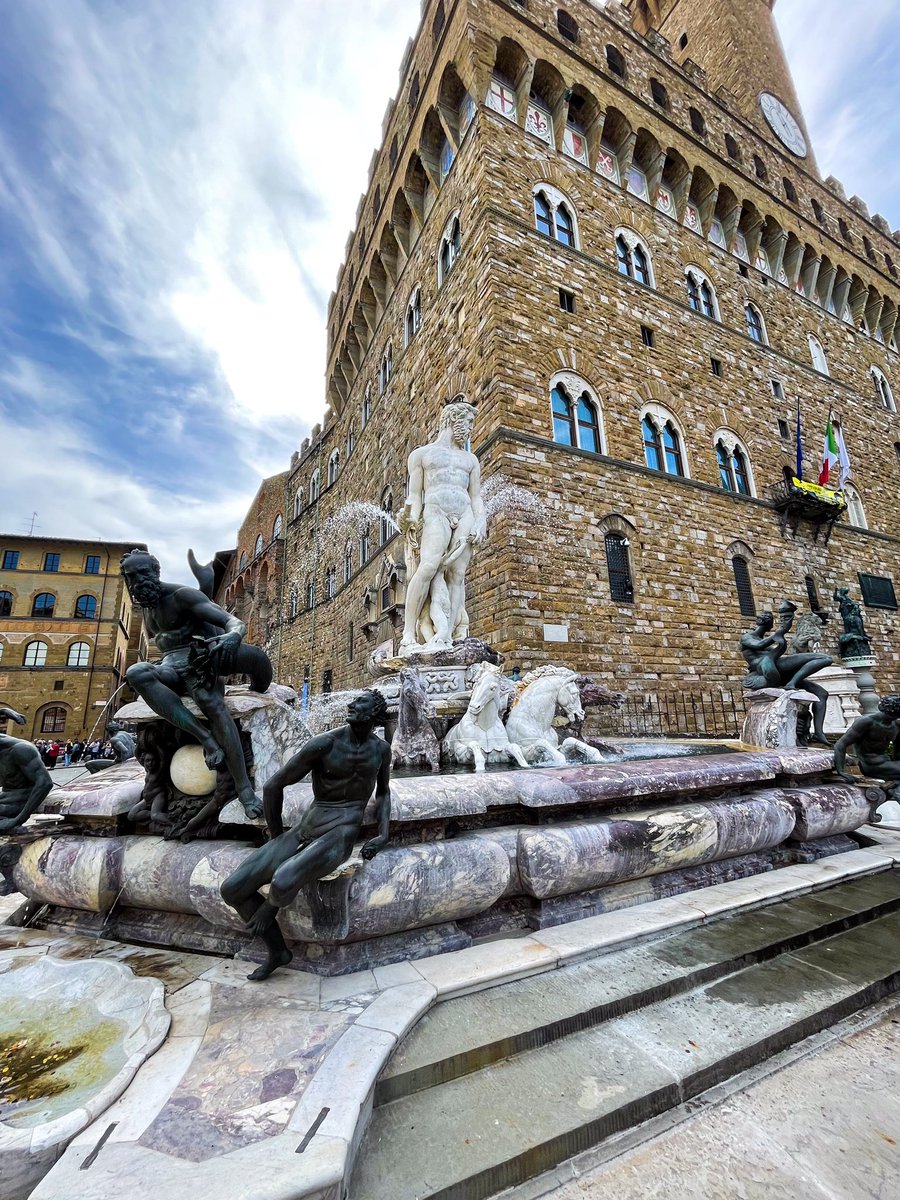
546	672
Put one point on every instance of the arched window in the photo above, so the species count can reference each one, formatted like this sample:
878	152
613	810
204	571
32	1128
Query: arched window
701	294
633	258
6	604
385	526
451	242
413	322
298	505
330	583
817	354
387	369
43	605
310	594
348	562
615	61
563	418
576	413
367	405
554	216
883	389
659	93
755	326
35	654
79	655
86	608
277	527
315	484
698	124
258	546
351	440
334	463
364	539
618	567
760	168
294	603
734	465
744	586
567	25
243	561
663	445
856	514
732	148
53	720
789	190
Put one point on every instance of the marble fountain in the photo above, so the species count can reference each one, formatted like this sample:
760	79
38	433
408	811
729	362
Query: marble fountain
116	884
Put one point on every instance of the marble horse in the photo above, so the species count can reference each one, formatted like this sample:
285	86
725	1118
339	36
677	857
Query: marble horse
530	722
480	736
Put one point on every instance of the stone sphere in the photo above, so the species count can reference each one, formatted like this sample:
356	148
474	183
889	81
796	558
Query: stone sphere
189	772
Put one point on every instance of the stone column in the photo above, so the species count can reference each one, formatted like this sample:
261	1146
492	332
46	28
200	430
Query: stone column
862	669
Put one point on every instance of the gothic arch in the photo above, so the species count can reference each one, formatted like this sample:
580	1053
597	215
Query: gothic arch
739	549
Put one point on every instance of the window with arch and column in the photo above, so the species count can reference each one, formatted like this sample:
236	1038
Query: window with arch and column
386	371
315	485
756	327
53	719
733	461
413	322
633	257
385	524
367	405
293	603
817	354
451	244
883	389
663	442
6	604
351	439
86	607
701	293
856	513
576	413
554	215
243	560
330	583
277	527
43	605
258	546
298	503
35	654
365	539
334	463
79	655
348	562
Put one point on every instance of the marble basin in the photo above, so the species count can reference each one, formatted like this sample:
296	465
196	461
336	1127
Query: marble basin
73	1033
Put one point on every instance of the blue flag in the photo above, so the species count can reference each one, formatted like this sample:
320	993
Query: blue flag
799	443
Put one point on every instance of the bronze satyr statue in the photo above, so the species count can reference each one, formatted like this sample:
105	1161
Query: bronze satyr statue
346	763
772	667
201	643
24	780
872	736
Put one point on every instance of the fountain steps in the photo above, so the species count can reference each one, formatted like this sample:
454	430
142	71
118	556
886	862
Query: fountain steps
496	1087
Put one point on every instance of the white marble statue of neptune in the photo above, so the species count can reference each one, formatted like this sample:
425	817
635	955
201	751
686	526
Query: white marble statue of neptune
443	520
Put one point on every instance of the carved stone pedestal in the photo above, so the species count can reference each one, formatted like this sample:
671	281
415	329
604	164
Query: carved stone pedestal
771	719
843	697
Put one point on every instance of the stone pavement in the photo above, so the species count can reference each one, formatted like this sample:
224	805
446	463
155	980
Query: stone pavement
825	1127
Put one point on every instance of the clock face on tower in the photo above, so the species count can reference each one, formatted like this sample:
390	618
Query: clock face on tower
783	124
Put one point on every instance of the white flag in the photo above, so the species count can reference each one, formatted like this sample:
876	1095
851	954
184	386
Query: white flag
843	457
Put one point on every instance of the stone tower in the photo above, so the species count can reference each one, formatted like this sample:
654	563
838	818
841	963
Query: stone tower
634	271
737	44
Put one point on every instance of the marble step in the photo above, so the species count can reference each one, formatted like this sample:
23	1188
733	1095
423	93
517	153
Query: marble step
469	1033
479	1133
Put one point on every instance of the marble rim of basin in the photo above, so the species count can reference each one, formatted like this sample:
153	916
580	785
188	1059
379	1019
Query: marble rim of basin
136	1004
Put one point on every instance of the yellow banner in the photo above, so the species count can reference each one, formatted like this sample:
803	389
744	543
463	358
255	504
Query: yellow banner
827	495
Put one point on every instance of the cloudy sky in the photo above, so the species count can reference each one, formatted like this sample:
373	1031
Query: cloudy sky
177	183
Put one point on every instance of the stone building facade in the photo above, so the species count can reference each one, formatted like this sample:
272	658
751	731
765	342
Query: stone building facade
68	632
252	585
604	224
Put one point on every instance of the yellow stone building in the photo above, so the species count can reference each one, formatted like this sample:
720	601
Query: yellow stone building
68	632
605	225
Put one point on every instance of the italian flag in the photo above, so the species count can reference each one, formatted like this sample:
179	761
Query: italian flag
830	456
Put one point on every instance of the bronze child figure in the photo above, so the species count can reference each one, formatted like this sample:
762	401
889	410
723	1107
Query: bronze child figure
24	780
347	764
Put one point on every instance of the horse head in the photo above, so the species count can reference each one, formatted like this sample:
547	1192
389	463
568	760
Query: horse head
485	689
